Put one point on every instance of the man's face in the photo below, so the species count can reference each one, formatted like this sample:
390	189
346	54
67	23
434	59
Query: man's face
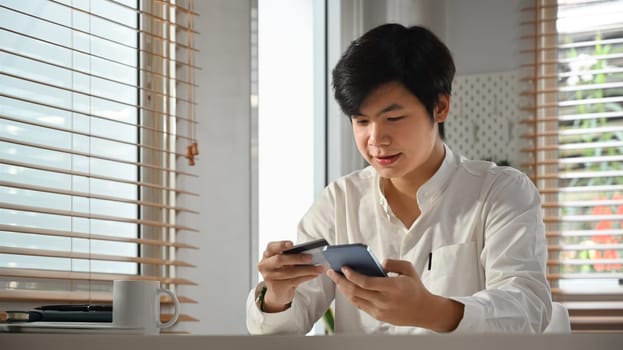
394	132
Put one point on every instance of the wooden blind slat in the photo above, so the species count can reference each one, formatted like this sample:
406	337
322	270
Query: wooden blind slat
101	37
182	9
96	96
91	256
573	132
165	317
93	176
71	213
577	189
572	160
570	233
87	276
97	76
585	262
591	276
573	103
577	247
91	135
572	117
100	237
22	295
584	203
572	146
25	295
163	133
103	58
573	45
78	153
94	196
613	85
561	76
582	218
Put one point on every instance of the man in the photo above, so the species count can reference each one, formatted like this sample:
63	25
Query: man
463	241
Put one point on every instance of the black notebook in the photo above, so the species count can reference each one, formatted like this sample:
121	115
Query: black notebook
58	316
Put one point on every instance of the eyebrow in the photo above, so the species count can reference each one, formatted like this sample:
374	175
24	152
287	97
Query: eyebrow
390	108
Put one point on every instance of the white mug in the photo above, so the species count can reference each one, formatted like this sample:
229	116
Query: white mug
136	304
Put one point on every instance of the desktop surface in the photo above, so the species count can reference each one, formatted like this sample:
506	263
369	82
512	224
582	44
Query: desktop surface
370	342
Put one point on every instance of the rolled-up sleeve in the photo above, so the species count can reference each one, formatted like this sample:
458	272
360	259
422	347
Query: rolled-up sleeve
311	300
284	322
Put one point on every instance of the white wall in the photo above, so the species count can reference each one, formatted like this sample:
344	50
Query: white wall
427	13
224	259
344	23
483	35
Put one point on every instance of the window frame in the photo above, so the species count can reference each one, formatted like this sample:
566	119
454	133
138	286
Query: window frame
167	139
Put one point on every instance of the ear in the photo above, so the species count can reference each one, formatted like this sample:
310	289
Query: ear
442	108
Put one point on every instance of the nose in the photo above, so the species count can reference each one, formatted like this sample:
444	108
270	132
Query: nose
378	135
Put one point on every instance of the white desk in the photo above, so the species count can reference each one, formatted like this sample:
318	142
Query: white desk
427	342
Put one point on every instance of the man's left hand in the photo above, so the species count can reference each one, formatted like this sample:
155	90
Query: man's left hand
401	300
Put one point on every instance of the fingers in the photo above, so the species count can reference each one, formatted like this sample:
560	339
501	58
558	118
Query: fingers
368	306
302	279
281	260
400	267
364	299
277	247
389	299
275	266
293	272
274	260
363	281
349	288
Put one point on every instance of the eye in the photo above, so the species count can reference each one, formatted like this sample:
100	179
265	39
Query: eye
361	121
395	119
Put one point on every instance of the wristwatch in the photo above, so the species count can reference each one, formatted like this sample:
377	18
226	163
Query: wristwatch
259	300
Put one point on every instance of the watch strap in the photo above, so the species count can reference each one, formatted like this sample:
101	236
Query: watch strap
259	300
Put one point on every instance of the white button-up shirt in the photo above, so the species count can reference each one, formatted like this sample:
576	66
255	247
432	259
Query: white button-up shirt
482	225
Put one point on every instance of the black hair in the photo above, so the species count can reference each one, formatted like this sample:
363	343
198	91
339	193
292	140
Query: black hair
413	56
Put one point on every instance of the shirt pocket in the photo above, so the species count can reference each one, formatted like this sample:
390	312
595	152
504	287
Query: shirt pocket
453	270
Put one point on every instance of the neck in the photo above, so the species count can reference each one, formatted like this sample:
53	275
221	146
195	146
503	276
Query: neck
409	184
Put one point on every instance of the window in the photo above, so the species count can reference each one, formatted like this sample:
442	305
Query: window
96	98
279	210
575	103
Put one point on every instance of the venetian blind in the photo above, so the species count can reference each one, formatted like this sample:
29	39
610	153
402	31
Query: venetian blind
574	107
96	112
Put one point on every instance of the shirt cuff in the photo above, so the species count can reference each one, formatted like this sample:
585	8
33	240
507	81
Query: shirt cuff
473	315
259	322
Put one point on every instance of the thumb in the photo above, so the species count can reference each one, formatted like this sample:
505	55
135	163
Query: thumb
401	267
276	247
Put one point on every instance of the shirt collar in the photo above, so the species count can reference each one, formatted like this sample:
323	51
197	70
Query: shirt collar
440	179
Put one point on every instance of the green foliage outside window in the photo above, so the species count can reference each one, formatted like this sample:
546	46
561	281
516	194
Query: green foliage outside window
587	69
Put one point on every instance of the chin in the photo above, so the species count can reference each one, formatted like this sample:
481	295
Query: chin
387	173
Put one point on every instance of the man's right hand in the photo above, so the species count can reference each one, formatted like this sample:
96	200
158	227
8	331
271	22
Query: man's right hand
282	273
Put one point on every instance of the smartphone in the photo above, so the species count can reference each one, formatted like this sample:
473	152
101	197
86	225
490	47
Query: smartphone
357	256
314	248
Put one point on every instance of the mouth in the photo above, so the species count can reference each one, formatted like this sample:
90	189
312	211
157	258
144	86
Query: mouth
387	160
